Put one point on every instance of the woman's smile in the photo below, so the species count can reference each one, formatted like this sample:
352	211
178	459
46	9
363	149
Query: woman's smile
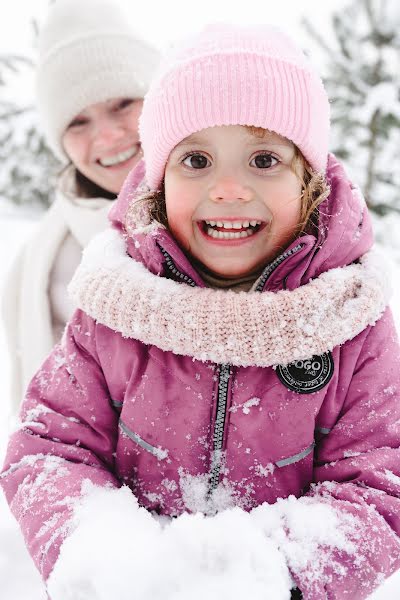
119	158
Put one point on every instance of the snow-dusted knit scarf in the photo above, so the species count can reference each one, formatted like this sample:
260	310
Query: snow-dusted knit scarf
241	329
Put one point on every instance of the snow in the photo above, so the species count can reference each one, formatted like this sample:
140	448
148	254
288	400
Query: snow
226	556
19	579
232	555
246	406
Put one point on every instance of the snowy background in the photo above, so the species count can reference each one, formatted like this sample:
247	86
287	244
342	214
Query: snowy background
18	578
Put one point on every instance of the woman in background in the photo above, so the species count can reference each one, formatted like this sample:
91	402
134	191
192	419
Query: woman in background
92	74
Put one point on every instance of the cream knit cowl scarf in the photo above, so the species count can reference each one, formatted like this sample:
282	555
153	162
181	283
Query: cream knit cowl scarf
241	329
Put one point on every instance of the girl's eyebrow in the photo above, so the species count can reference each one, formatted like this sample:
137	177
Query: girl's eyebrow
269	141
253	140
192	139
188	143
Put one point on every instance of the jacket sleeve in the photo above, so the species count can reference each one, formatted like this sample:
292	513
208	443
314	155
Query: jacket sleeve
66	438
357	474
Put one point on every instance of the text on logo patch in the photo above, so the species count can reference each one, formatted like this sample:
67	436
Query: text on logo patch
307	376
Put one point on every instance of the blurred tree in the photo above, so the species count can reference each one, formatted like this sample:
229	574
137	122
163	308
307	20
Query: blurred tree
363	82
28	168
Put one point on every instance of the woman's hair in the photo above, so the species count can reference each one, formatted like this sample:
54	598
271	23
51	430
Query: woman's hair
88	189
315	190
85	188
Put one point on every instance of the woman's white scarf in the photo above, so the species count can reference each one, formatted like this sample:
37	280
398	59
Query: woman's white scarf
242	329
26	306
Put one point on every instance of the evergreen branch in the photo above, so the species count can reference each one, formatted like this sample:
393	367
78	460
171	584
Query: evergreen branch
317	37
343	65
15	112
9	61
369	11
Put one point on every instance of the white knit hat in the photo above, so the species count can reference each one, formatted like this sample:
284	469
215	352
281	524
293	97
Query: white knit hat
88	53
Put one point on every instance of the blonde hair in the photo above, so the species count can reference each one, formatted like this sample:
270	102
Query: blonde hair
315	190
314	187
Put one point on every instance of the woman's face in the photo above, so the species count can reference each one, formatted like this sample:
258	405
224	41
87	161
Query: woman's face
102	141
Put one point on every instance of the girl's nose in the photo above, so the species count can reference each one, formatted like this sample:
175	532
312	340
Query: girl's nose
230	189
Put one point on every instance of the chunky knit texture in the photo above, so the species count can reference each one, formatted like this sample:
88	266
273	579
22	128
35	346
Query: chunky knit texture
88	53
242	329
231	75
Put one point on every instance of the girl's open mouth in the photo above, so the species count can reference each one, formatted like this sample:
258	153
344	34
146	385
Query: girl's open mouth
231	230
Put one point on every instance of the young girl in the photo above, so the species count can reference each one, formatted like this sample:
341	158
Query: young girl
232	346
92	74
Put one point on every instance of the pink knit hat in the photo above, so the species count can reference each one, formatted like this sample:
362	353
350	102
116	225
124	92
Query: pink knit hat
232	75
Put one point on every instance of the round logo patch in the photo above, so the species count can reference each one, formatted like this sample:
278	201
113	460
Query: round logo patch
307	376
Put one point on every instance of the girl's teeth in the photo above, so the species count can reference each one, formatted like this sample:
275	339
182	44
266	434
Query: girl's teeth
119	158
228	235
233	224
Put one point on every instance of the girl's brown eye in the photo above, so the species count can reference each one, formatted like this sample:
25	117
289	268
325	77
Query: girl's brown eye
263	161
196	161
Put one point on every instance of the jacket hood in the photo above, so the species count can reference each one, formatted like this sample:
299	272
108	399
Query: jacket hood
345	228
344	231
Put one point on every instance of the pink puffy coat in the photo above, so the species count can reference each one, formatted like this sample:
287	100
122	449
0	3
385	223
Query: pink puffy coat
119	401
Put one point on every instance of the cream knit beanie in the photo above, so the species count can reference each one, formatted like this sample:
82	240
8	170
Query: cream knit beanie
87	54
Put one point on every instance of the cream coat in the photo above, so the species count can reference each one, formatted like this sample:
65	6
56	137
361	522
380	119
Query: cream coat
35	304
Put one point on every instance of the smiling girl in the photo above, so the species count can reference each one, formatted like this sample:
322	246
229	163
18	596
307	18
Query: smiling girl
92	74
233	348
233	200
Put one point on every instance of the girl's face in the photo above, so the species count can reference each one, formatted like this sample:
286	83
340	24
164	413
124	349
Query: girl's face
103	141
232	198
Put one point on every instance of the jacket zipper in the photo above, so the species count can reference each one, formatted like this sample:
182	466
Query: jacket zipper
175	272
269	269
225	373
224	376
225	370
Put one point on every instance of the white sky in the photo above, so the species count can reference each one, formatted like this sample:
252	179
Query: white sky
163	20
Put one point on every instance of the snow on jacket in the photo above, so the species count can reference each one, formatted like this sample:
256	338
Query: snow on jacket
123	401
35	302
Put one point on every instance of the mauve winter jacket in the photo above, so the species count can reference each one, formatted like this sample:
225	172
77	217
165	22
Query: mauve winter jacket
112	409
